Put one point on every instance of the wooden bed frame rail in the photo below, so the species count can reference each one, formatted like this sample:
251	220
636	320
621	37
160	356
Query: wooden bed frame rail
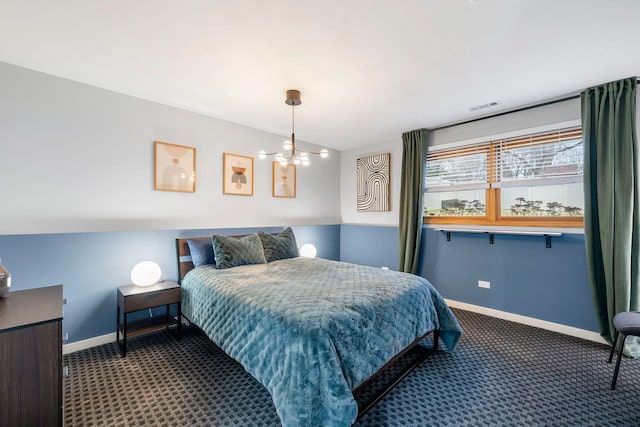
424	353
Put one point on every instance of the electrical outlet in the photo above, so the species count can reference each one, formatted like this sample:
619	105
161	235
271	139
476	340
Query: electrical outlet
66	336
483	284
65	301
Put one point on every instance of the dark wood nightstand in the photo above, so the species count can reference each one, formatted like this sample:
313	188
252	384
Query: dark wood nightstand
133	298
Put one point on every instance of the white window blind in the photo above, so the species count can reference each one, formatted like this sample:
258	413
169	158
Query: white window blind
458	169
542	159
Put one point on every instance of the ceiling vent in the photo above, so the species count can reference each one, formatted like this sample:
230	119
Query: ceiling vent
484	106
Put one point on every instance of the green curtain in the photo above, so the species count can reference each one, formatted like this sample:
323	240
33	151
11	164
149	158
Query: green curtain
612	214
411	191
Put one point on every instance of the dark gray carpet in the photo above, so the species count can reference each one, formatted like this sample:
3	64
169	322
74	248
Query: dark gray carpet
502	374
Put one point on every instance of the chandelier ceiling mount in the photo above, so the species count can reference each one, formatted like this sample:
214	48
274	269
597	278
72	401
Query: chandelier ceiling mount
290	154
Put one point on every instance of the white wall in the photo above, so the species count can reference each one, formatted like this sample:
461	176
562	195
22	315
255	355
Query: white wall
348	189
77	158
562	112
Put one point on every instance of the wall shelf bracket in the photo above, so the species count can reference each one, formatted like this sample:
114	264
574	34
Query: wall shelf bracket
547	236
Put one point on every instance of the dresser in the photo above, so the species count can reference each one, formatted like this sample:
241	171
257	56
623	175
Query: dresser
31	357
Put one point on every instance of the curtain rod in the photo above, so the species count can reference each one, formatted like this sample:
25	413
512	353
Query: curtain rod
529	107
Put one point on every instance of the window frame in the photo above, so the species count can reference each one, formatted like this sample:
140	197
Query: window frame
493	198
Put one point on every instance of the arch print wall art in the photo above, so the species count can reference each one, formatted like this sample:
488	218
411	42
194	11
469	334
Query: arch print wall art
175	167
374	183
283	183
237	174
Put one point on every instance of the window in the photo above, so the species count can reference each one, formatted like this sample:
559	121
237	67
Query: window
530	180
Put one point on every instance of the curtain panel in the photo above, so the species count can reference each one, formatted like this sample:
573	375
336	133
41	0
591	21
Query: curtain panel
612	202
411	194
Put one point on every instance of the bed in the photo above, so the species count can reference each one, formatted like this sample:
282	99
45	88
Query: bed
311	330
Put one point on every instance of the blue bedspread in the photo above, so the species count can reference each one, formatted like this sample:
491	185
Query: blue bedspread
312	330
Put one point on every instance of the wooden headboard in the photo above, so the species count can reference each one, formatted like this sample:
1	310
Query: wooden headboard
184	255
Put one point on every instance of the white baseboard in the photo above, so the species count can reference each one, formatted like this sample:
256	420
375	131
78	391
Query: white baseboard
530	321
88	343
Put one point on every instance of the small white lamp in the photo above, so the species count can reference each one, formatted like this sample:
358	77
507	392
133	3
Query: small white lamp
308	250
145	273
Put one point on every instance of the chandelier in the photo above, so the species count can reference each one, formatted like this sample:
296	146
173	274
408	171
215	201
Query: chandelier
290	154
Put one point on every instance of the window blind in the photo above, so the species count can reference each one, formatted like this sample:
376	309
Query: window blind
538	159
458	169
542	159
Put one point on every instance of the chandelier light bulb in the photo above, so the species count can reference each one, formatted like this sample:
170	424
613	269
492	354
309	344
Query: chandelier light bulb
290	155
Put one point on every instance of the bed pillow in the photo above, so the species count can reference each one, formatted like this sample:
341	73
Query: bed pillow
201	252
230	251
279	246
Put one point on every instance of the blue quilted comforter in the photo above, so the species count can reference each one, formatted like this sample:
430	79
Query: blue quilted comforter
312	330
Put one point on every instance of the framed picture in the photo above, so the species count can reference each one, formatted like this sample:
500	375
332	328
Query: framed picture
175	167
237	175
283	183
374	183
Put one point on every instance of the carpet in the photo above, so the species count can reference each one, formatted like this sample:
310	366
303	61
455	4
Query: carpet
501	374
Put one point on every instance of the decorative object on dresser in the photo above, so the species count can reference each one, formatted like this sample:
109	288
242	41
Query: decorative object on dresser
135	298
374	182
31	357
237	174
175	167
5	280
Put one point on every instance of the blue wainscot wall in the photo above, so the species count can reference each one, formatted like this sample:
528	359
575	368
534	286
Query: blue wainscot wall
91	266
526	278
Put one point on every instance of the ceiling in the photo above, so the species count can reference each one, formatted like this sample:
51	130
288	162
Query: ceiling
368	70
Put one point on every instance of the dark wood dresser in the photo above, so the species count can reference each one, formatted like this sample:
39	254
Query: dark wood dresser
31	357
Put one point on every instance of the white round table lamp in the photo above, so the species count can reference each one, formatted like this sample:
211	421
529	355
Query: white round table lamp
308	250
145	273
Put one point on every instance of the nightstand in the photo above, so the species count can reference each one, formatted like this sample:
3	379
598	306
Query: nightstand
134	298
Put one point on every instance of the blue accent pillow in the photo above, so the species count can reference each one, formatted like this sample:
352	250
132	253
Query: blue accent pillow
201	252
230	251
279	246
